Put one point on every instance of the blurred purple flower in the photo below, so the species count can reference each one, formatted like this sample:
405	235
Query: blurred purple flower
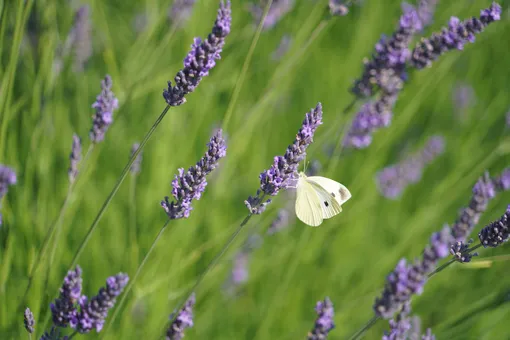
184	320
105	104
190	185
201	59
425	10
280	222
508	119
240	268
136	167
428	335
180	11
464	97
400	325
324	322
282	48
93	313
276	12
7	178
338	7
53	334
80	38
497	232
454	37
392	180
284	168
63	308
28	320
74	158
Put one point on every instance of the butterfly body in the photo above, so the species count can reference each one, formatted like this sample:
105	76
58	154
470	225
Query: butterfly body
319	198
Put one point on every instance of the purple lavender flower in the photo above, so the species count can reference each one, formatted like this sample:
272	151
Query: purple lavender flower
93	313
63	308
428	335
280	222
390	53
324	322
136	167
338	8
400	325
184	320
461	251
508	119
240	268
393	179
454	37
284	168
201	59
105	104
190	185
28	320
74	158
425	10
278	9
53	334
463	96
7	178
483	191
180	11
80	38
497	232
282	48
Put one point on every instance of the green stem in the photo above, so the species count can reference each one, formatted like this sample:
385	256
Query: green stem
116	188
365	328
133	279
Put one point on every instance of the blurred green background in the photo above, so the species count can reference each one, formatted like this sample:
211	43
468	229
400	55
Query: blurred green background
347	258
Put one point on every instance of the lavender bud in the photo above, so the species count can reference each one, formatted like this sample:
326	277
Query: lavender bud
63	308
425	10
105	104
428	335
400	326
497	232
184	320
180	11
28	320
190	185
74	158
93	313
201	59
81	39
136	167
239	273
502	182
278	9
324	322
54	334
338	8
280	222
460	251
454	37
7	178
284	169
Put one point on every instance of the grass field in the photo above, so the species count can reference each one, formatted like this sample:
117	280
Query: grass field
260	104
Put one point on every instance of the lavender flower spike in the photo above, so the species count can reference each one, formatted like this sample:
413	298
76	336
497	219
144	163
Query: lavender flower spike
454	37
28	320
105	104
136	167
180	11
81	38
7	178
201	59
93	313
400	326
74	158
497	232
276	12
63	309
190	185
284	168
184	320
324	322
54	334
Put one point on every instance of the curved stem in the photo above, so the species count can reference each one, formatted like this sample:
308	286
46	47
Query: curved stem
133	279
244	70
365	328
123	175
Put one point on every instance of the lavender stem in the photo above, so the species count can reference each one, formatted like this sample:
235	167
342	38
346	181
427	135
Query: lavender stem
244	69
131	282
366	327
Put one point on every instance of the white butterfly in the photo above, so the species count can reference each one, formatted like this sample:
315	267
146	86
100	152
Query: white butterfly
319	198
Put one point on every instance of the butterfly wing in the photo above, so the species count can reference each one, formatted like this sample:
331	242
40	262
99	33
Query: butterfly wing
308	205
337	190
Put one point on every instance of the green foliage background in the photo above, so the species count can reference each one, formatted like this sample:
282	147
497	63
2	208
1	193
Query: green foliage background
347	258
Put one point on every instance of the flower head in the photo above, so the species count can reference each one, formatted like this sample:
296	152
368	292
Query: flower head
63	308
93	313
80	38
184	320
28	320
180	11
7	178
53	334
105	104
497	232
284	169
324	322
137	164
190	185
455	36
201	59
338	8
74	158
400	325
278	9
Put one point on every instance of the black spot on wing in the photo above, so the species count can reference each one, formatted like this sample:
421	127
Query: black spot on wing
326	204
333	194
